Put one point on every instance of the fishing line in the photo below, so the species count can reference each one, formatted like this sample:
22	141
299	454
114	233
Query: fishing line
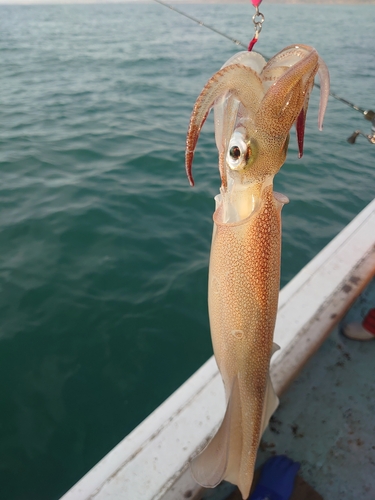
237	42
368	114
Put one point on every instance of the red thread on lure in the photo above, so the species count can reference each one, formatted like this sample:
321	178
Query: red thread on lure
253	42
300	127
256	3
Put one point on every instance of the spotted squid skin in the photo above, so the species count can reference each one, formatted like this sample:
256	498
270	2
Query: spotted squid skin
243	294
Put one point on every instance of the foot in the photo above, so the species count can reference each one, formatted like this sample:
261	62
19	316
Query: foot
361	331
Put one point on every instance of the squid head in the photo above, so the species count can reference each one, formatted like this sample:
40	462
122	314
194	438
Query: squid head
256	104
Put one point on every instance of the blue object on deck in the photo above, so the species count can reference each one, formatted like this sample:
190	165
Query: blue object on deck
276	480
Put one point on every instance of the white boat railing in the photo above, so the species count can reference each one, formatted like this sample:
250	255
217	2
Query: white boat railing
151	463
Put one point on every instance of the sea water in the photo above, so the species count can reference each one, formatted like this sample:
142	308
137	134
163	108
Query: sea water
103	245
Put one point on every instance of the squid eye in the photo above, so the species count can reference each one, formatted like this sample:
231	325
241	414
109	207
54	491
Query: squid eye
238	151
235	152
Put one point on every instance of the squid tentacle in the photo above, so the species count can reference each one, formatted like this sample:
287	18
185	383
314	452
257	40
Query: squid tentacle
238	80
284	99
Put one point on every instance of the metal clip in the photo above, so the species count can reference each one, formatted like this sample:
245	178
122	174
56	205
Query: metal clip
258	20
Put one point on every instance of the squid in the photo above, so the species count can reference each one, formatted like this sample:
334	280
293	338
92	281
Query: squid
255	105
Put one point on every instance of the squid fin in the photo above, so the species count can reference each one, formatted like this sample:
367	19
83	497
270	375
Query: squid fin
271	401
210	466
222	458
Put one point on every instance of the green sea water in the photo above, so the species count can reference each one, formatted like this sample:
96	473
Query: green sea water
103	245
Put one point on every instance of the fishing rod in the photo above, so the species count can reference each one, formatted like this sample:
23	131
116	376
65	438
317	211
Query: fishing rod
367	113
